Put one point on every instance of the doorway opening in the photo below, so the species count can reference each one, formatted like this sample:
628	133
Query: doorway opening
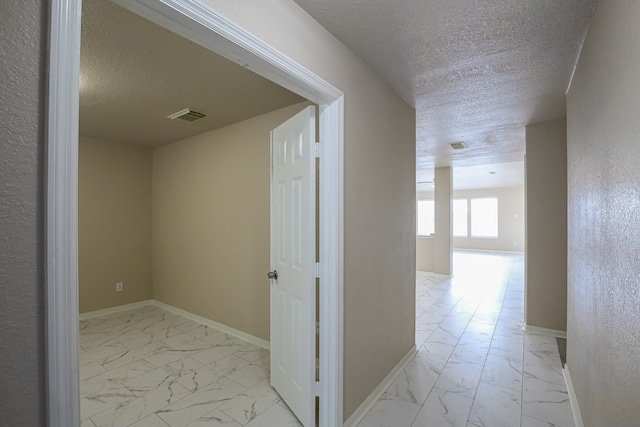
211	30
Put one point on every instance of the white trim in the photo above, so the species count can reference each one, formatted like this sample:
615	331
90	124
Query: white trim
375	395
205	26
431	274
544	331
208	322
113	310
63	391
491	251
573	399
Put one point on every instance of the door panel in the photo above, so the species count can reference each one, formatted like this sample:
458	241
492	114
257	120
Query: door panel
293	245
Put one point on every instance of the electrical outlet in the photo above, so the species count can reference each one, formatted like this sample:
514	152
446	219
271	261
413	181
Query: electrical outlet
119	286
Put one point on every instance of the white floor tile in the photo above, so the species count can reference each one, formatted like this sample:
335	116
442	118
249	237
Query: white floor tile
391	411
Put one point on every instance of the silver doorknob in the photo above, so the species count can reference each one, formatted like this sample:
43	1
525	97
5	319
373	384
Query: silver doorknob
273	274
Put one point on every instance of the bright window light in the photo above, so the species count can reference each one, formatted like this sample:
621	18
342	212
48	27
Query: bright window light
460	228
484	217
425	218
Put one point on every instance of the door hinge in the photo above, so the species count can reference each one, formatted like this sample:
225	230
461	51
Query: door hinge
317	327
316	389
318	149
317	270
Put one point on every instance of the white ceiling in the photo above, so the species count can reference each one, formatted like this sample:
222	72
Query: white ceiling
476	71
134	73
496	175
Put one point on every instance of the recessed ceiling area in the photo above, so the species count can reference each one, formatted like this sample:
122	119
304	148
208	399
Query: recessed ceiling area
476	71
134	73
498	175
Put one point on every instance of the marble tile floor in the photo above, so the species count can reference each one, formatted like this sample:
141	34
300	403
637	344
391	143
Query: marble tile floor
151	368
475	366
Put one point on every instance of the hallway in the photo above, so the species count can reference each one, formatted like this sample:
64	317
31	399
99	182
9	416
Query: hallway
475	366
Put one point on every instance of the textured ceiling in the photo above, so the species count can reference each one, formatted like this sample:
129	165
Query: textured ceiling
134	73
476	71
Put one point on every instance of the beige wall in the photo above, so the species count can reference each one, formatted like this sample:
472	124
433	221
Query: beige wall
211	223
443	239
546	224
424	253
379	295
604	219
510	229
114	223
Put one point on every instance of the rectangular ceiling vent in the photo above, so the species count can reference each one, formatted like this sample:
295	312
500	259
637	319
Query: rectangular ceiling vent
187	115
458	145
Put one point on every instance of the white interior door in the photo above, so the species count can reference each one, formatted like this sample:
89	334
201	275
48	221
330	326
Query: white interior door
293	258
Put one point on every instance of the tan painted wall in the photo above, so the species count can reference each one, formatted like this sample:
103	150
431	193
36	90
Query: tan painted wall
379	191
443	240
546	223
604	219
211	223
510	229
114	223
424	253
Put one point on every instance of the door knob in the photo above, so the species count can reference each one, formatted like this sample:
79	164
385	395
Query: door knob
273	274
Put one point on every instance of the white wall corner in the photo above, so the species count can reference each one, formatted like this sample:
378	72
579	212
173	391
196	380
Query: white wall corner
375	395
575	408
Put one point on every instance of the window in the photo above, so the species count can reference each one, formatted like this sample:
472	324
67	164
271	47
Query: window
460	228
425	218
484	217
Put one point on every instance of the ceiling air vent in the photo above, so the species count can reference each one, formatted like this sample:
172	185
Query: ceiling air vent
187	115
458	145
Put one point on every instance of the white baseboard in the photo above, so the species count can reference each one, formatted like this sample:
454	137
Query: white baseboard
208	322
118	309
544	331
375	395
575	408
431	273
489	251
199	319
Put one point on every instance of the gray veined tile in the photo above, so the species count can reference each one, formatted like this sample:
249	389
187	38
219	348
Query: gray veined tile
495	407
414	382
503	372
250	375
472	350
96	398
186	342
99	354
532	422
124	373
203	331
251	353
249	404
87	423
189	409
443	336
134	410
161	376
275	416
207	374
113	339
444	409
215	418
460	377
547	402
219	351
151	421
149	337
129	356
434	354
90	369
391	411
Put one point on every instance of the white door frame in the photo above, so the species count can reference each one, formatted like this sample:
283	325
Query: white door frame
210	29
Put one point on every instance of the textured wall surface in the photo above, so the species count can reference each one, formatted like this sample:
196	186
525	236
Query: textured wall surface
546	247
380	229
22	340
114	223
604	219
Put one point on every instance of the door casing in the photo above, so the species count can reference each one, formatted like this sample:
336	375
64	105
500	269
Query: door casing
203	25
